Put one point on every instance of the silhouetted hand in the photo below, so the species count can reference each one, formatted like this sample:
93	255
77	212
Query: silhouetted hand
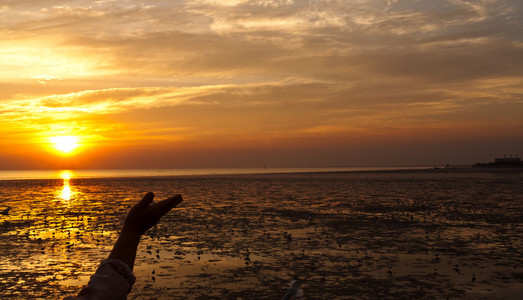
109	278
140	218
145	215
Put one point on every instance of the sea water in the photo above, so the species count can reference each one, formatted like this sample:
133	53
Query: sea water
119	173
346	235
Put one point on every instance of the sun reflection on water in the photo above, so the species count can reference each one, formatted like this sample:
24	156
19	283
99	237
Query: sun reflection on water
66	193
66	174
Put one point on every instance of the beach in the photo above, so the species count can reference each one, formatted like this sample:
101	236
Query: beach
345	235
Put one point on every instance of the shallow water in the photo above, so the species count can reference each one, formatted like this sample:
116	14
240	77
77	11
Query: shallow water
346	235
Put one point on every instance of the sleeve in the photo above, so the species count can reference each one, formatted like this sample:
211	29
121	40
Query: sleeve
112	280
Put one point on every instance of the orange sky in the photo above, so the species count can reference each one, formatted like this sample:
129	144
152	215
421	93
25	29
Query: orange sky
237	83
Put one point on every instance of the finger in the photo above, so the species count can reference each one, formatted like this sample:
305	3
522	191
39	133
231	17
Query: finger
146	200
166	205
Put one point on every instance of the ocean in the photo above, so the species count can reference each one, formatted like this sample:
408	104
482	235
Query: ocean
118	173
419	234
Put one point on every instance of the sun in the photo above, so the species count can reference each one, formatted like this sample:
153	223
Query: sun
65	144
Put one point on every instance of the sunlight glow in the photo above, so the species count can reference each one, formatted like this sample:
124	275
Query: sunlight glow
65	144
66	175
44	61
66	193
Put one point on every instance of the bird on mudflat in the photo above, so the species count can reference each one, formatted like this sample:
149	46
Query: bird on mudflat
294	291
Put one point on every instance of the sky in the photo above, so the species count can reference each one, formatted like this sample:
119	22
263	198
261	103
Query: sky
253	83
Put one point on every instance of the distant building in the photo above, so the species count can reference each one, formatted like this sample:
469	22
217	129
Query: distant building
505	162
509	159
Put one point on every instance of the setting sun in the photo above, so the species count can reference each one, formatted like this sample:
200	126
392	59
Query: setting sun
65	144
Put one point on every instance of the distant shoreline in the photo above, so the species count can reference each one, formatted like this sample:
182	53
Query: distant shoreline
155	173
445	170
426	170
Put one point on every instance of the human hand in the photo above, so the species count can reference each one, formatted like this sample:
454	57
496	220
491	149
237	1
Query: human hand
145	215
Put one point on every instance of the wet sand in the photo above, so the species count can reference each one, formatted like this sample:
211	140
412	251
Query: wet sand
393	235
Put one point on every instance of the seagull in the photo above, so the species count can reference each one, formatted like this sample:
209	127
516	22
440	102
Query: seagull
294	291
5	212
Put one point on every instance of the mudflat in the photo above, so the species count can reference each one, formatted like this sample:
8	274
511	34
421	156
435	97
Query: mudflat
391	235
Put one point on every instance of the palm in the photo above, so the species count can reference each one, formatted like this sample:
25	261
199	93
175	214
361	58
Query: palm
144	214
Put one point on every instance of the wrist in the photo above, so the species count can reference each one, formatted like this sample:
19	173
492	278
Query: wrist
129	233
